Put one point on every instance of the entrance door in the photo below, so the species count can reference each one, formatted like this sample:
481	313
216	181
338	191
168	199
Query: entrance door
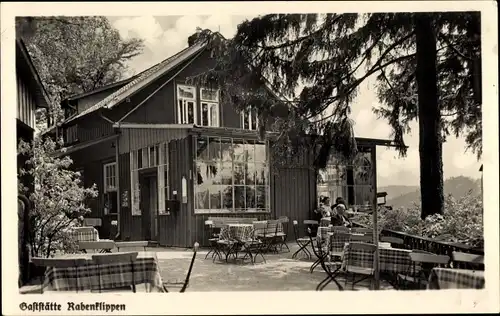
149	205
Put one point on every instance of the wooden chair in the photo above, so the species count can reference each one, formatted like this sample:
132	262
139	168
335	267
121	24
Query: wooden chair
467	261
270	237
185	283
332	262
226	245
253	246
212	240
319	246
353	266
426	263
283	234
302	242
59	263
395	242
123	257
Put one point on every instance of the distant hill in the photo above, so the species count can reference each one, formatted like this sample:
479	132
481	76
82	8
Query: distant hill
405	196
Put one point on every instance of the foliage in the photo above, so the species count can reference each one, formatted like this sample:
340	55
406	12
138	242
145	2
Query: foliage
75	54
316	63
58	198
462	221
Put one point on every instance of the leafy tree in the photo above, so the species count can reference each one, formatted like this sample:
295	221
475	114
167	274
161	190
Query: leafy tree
75	54
58	199
316	62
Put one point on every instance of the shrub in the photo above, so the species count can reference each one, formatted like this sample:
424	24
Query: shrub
58	199
462	221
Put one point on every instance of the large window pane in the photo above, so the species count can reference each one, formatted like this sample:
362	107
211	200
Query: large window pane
227	149
226	173
260	152
202	199
362	175
239	197
202	148
239	173
250	197
261	174
261	195
250	150
214	152
239	150
227	197
250	174
215	196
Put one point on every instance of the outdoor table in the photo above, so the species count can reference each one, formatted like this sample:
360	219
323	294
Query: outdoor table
446	278
113	275
391	260
85	234
237	232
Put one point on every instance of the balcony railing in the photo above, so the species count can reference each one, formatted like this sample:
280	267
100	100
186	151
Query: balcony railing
428	244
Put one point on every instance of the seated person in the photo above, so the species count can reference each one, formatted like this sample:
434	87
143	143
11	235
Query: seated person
339	217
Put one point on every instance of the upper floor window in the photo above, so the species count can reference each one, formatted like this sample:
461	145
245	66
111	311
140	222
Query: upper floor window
110	177
186	104
209	101
249	119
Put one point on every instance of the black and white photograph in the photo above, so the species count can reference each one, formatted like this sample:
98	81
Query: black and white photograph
212	152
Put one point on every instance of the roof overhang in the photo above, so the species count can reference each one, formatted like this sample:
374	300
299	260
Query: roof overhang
71	149
25	66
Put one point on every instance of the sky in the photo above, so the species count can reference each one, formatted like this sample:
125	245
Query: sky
166	35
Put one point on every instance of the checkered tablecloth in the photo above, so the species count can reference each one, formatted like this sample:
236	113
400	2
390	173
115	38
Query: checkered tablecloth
237	232
113	275
446	278
85	234
391	260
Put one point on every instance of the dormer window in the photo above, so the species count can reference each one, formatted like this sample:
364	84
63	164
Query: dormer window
186	104
249	119
209	102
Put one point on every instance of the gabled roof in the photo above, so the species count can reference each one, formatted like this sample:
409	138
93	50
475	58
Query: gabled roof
143	79
24	64
100	89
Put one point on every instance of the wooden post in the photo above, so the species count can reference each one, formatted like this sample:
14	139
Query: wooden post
118	195
376	260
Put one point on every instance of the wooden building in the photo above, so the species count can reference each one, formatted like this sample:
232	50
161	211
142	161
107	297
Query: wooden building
165	156
30	96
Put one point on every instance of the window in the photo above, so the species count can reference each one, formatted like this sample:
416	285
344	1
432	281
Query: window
209	101
110	177
231	176
249	119
186	104
149	157
351	180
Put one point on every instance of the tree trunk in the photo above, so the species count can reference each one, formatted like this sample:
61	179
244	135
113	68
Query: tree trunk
429	118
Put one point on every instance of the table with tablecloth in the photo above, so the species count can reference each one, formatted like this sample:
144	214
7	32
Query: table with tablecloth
113	275
85	234
446	278
391	260
237	232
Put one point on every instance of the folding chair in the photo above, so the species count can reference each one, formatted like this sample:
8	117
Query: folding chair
321	241
185	283
302	242
426	262
283	234
467	260
59	263
253	246
313	225
123	257
212	240
332	262
226	244
270	237
355	265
